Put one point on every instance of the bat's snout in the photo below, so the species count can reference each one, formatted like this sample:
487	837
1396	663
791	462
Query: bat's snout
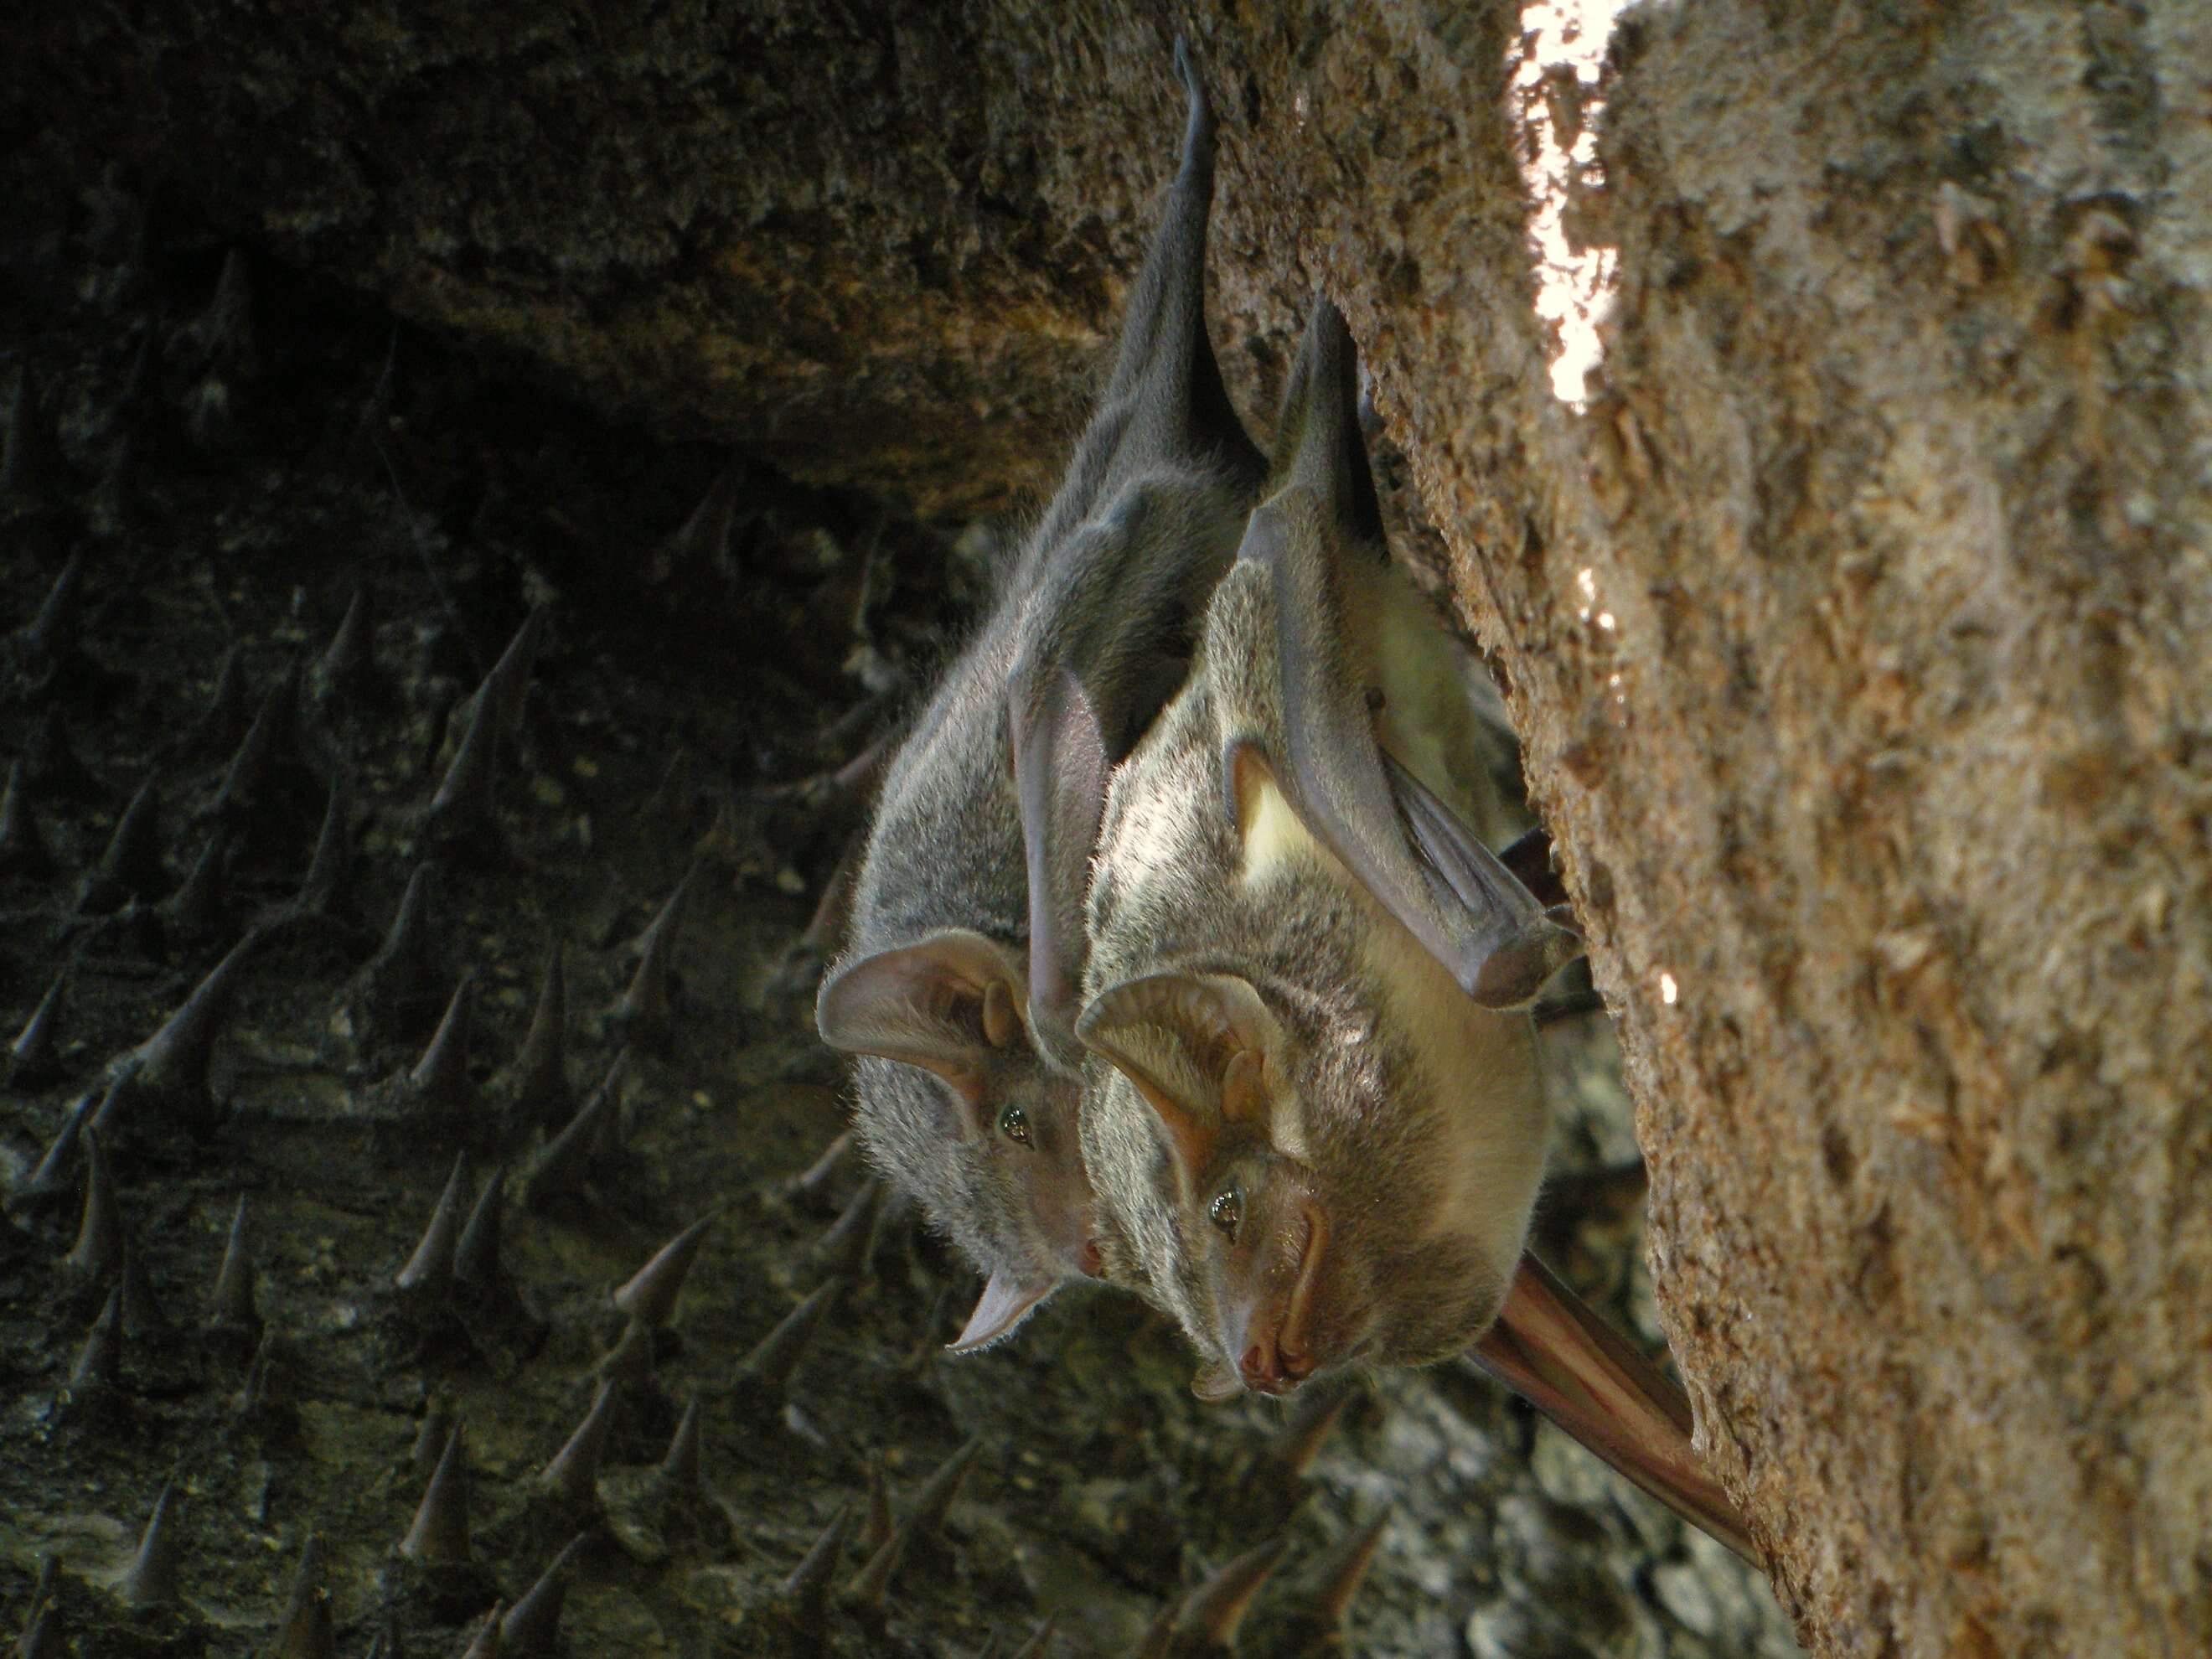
1286	1341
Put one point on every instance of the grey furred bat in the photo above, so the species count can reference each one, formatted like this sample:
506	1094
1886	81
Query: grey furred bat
1323	1129
967	1091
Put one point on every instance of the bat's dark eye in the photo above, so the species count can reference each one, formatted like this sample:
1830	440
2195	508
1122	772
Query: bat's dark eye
1014	1124
1227	1211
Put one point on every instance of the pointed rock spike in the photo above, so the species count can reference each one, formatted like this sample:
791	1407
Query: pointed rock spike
867	1589
390	995
196	907
324	888
348	668
115	1095
487	1644
811	1184
842	1251
98	1252
649	1297
131	864
303	1631
700	543
256	752
35	1055
573	1475
772	1359
680	1469
876	1530
230	1305
934	1501
440	1079
438	1535
52	1174
172	1065
1312	1416
226	720
265	1378
430	1436
628	1363
23	850
475	1258
805	1589
644	1004
508	681
1212	1612
464	803
1343	1569
409	941
100	1361
1039	1643
51	634
541	1088
151	1579
225	330
563	1163
432	1264
534	1625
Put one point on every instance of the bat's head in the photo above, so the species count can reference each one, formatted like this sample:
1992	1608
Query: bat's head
957	1110
1329	1194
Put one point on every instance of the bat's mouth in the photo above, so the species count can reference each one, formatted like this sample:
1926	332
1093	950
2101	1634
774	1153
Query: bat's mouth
1275	1361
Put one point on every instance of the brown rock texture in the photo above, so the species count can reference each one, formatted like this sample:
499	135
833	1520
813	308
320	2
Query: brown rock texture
1855	627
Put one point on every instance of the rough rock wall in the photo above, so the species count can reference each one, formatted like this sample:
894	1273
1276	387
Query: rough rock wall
1886	794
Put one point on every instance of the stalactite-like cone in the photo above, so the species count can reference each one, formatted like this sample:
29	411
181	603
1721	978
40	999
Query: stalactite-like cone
348	669
51	761
98	1253
463	807
439	1535
51	634
140	1312
256	752
195	909
151	1579
230	1305
1336	1582
541	1078
805	1589
432	1264
699	546
171	1067
1039	1644
303	1630
23	850
327	887
534	1625
842	1251
131	867
770	1365
55	1170
440	1081
115	1097
643	1006
934	1501
224	332
430	1437
811	1185
680	1468
266	1379
666	926
649	1297
392	999
475	1258
226	720
607	1136
564	1162
1313	1417
866	1590
876	1528
1212	1612
510	680
34	1057
487	1644
100	1361
628	1363
574	1474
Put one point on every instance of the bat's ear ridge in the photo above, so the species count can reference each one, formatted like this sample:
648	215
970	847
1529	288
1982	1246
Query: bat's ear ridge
1200	1048
1318	442
943	1003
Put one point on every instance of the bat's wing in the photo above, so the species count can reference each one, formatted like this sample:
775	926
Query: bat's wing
1401	843
1550	1348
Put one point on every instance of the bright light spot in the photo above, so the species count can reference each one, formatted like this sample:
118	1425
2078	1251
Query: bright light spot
1605	620
1566	37
1667	990
1586	579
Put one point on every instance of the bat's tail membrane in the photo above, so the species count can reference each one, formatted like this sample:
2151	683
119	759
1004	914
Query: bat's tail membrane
1318	444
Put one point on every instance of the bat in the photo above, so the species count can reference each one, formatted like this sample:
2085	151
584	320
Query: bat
968	1084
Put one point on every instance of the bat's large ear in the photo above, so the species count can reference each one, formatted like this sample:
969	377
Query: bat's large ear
1203	1050
1318	442
944	1004
1062	769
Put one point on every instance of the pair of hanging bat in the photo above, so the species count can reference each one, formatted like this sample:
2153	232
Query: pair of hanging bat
1177	957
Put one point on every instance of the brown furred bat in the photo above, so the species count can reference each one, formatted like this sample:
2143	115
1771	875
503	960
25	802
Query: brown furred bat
967	1090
